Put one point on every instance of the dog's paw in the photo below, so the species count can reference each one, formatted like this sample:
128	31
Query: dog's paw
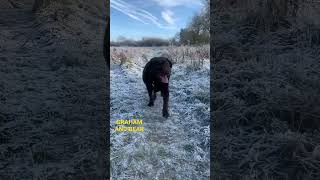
150	104
165	114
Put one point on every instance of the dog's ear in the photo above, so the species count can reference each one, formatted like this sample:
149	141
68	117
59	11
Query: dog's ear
169	63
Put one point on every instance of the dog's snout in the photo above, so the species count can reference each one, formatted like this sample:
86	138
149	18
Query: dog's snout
164	79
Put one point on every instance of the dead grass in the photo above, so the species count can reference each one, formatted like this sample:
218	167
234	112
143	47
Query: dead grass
194	57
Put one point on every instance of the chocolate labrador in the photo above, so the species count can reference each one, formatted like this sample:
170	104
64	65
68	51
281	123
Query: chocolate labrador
156	75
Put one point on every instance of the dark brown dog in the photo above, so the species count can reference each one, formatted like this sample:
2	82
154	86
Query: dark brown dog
156	75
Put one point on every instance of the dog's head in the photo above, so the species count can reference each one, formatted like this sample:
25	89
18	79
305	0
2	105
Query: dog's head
165	73
163	76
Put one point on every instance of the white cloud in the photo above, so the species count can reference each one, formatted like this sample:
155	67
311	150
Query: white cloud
138	14
167	15
173	3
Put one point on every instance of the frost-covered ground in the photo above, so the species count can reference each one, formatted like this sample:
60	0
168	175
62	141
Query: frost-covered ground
173	148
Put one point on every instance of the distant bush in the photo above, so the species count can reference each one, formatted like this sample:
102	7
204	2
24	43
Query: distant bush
121	56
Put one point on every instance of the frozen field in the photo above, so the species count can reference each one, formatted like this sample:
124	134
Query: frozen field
173	148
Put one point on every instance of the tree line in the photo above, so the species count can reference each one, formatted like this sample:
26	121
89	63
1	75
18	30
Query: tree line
197	32
144	42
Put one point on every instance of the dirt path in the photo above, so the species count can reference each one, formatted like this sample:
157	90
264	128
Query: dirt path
50	102
173	148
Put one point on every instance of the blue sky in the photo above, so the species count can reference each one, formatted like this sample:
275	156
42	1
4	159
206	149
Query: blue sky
135	19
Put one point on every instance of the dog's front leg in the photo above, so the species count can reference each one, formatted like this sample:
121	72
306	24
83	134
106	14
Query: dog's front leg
151	100
154	95
165	94
165	112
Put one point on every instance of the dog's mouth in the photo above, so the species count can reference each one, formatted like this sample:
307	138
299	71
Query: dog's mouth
164	79
161	84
